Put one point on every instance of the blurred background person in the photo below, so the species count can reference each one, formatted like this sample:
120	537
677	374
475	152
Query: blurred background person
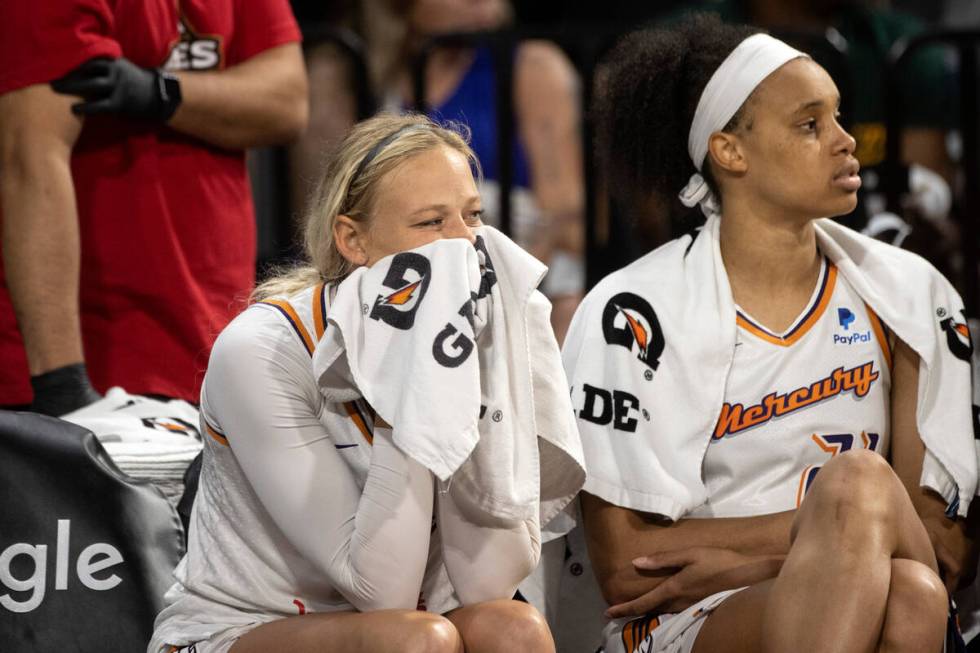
461	85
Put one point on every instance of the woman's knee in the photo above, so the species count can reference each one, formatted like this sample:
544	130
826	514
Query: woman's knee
425	632
918	588
855	483
529	627
853	471
917	609
504	626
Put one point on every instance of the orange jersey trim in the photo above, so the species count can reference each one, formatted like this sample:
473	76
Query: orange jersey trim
813	316
217	435
880	334
290	314
832	449
319	311
634	632
355	414
801	491
320	321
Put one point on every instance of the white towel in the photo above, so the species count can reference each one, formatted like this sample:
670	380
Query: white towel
451	344
926	313
679	373
147	439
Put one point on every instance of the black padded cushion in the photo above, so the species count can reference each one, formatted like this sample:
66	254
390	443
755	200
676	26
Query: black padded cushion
58	483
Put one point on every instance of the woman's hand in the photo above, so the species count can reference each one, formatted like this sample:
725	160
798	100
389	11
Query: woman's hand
953	541
956	549
701	572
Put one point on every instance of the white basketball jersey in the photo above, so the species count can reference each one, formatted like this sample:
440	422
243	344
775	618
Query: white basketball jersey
796	399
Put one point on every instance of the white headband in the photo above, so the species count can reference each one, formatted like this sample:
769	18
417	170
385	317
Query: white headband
730	86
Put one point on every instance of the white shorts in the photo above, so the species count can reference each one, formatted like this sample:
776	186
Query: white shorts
220	642
665	633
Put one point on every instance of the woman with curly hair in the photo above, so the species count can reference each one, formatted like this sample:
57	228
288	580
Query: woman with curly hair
775	409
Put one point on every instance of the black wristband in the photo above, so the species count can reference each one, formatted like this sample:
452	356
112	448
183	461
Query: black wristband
63	390
168	87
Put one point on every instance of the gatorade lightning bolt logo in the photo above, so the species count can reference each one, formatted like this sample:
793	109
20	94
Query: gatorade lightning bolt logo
408	276
639	333
171	425
957	336
401	297
629	320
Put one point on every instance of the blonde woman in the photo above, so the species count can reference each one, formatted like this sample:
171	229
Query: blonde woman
290	549
547	197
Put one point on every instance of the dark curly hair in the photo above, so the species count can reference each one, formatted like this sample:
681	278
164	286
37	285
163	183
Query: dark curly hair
645	103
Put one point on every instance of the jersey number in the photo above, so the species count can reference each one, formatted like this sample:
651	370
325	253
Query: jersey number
833	444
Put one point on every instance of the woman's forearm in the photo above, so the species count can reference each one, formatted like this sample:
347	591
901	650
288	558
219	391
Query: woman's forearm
388	549
485	562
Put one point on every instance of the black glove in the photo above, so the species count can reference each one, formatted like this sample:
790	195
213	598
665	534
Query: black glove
120	86
63	390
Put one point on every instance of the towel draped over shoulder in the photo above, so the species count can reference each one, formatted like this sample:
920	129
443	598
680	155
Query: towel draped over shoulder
658	339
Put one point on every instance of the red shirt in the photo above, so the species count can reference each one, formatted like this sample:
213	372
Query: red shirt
167	224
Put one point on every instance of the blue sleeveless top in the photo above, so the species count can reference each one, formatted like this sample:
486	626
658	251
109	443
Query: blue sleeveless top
473	103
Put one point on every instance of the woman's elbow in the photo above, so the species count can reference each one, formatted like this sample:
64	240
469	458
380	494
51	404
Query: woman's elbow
615	589
490	588
474	585
511	554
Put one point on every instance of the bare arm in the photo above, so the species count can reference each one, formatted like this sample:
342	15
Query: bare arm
333	111
547	106
927	147
40	223
953	540
260	101
616	536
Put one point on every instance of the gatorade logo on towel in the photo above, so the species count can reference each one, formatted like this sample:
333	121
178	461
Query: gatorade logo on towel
451	347
408	278
957	335
629	321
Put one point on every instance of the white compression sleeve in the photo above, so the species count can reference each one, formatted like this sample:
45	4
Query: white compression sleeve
373	546
485	562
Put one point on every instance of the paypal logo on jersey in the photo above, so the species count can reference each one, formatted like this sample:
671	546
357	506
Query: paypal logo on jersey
852	338
846	318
